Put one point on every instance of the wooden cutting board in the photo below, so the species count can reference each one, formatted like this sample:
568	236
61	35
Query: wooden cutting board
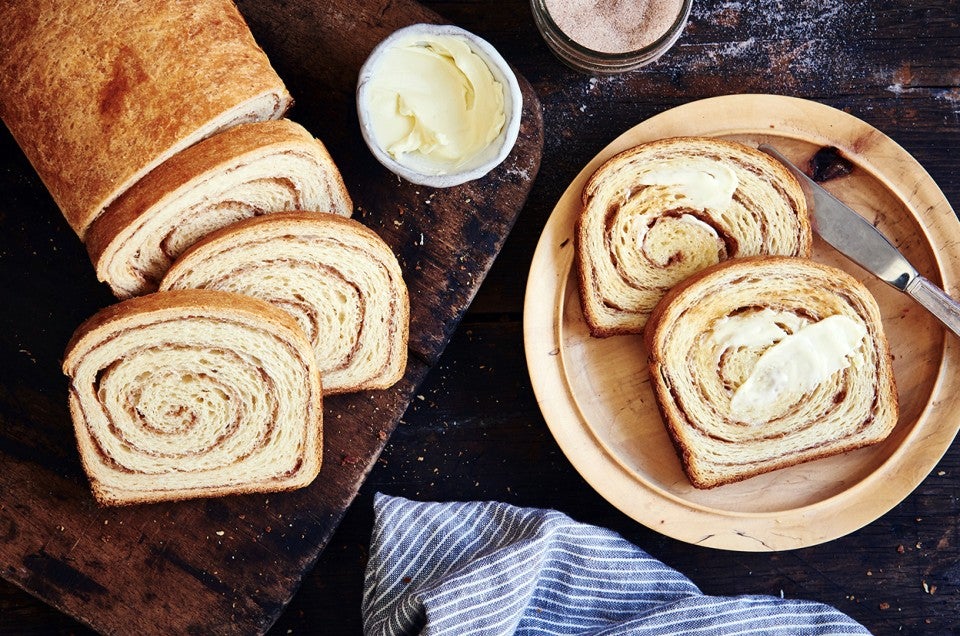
225	565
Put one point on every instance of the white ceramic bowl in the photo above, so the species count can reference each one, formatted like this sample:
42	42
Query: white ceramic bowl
431	173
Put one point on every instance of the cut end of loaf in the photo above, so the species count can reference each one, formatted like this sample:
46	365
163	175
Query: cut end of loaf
194	393
715	335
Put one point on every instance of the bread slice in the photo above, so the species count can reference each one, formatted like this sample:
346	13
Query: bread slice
766	362
656	213
193	393
336	276
251	169
99	93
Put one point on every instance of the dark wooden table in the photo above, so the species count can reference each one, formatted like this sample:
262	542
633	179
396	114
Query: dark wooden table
475	431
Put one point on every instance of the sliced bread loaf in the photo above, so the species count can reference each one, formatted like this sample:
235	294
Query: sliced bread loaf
193	393
656	213
766	362
338	278
97	94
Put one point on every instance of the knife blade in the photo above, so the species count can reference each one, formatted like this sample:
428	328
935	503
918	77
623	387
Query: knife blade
861	242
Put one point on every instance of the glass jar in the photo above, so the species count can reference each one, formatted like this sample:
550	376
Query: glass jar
582	58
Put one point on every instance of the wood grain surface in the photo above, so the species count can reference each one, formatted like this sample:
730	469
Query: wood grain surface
226	565
474	429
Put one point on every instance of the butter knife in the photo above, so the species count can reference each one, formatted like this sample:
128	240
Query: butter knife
857	239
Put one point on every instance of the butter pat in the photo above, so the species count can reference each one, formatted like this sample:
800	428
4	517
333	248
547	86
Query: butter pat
795	366
707	185
757	329
436	101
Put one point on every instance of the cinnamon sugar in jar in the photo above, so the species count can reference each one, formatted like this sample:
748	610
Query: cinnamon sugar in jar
610	36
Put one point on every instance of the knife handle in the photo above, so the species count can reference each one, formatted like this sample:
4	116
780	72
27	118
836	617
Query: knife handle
936	301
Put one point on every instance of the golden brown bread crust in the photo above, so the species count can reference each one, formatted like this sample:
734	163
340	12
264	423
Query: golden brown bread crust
98	93
135	452
635	239
693	378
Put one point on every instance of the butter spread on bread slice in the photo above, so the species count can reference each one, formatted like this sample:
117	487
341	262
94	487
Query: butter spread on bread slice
765	362
656	213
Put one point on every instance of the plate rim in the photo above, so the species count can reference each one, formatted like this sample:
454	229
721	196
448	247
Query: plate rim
665	512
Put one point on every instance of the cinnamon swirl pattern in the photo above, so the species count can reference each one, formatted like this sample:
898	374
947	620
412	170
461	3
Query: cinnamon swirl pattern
339	279
766	362
659	212
249	170
193	393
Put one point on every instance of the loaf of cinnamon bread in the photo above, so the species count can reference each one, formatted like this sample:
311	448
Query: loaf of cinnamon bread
97	94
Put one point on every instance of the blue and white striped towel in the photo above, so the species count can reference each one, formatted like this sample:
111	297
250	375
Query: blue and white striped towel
491	568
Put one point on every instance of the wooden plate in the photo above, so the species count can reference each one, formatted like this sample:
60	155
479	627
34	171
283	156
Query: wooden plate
595	394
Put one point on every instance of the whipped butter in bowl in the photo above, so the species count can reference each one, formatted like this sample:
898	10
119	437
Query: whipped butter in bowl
438	105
